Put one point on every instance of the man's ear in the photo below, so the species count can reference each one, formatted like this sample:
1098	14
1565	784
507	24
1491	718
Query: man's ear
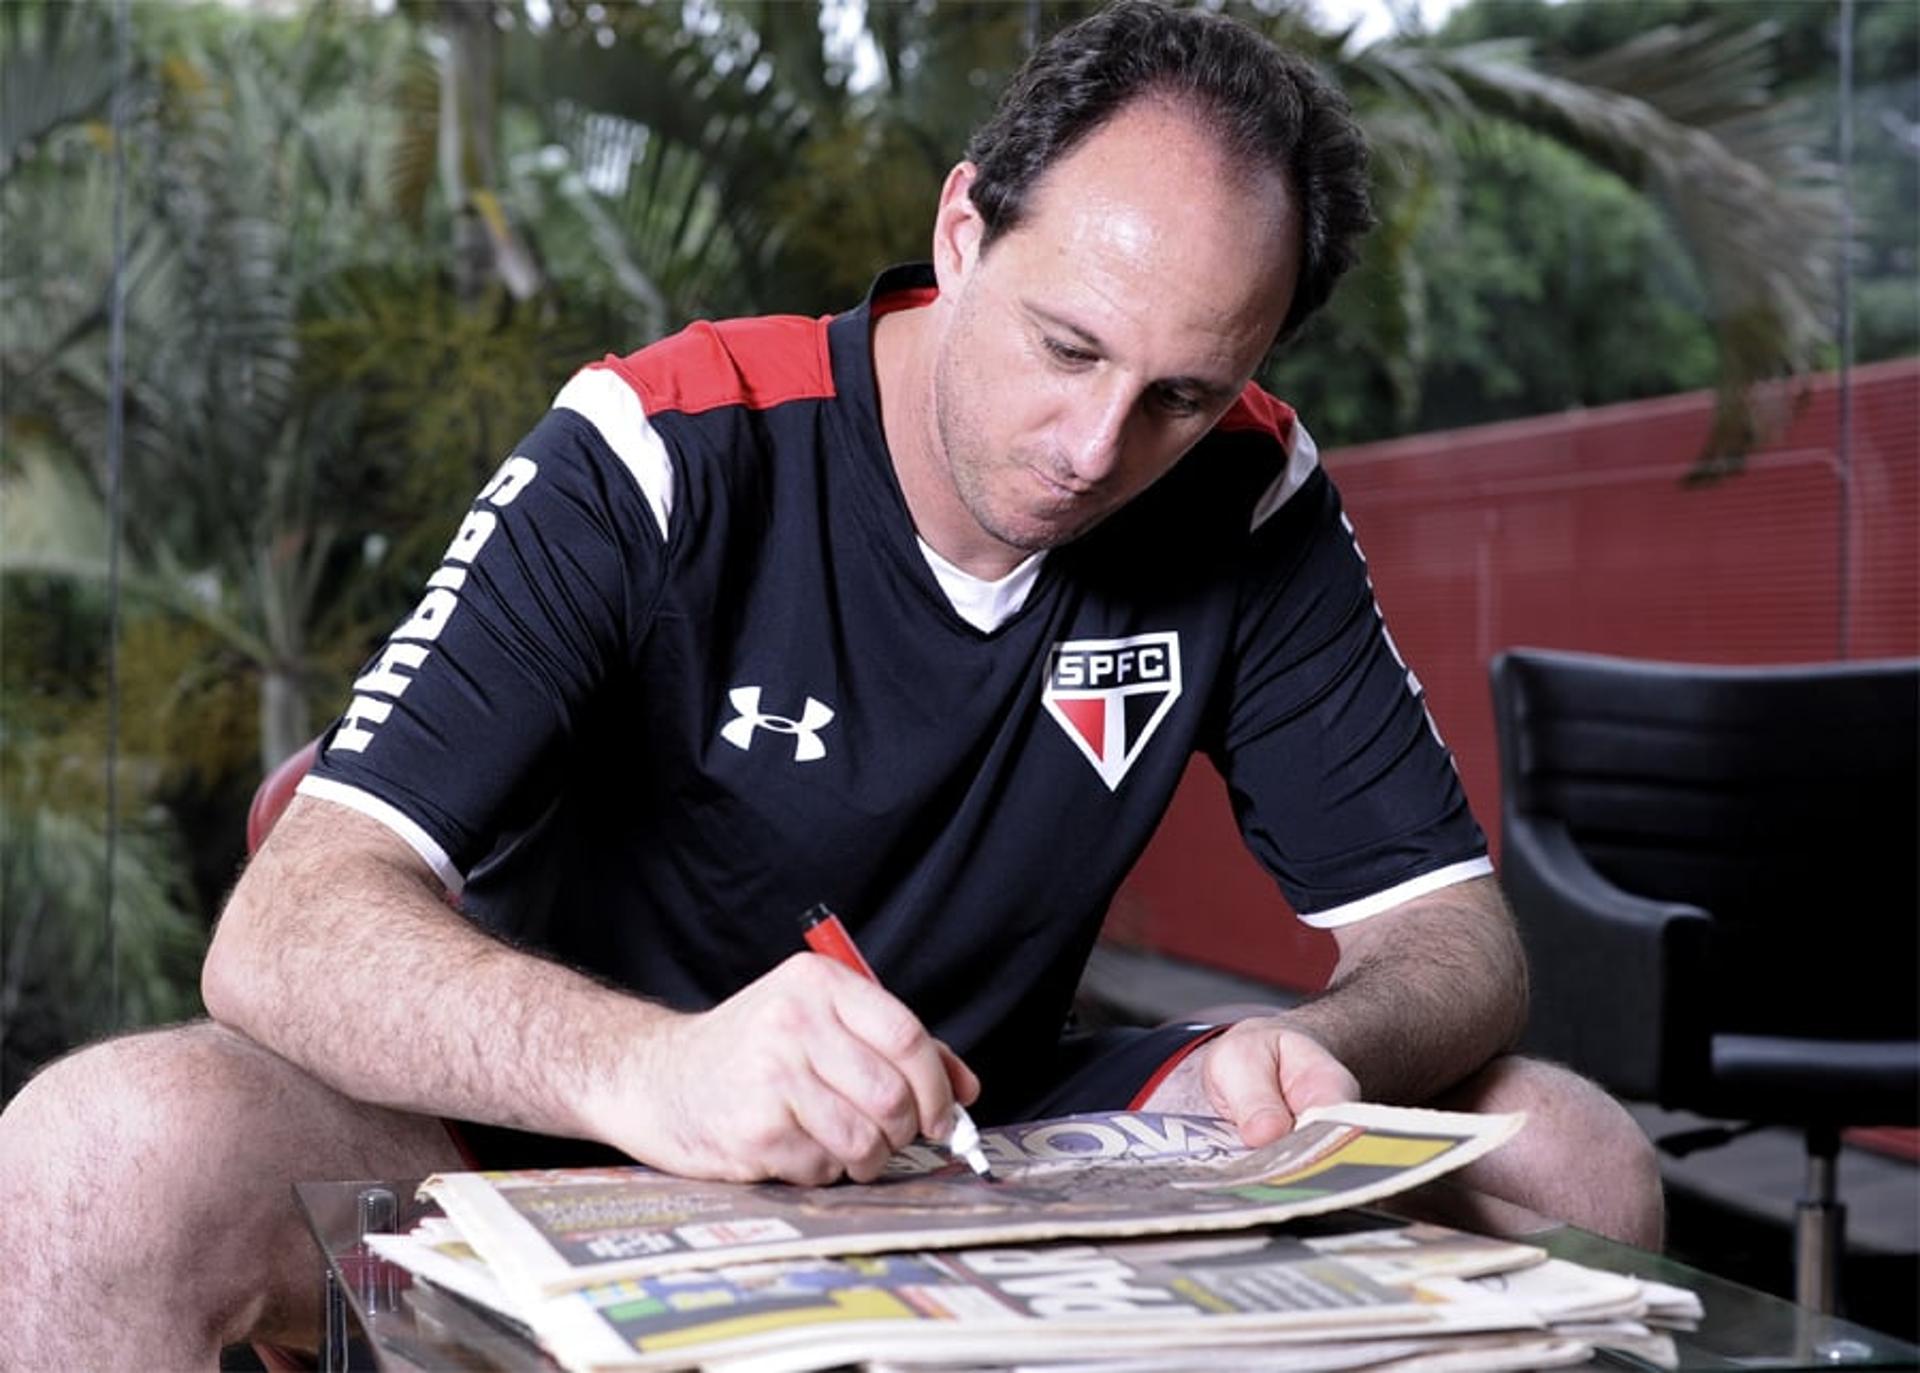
958	230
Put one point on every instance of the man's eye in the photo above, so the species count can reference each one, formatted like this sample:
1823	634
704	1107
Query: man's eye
1066	352
1178	404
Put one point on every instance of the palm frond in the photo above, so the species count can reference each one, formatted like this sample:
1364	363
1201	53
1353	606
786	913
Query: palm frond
56	68
56	988
1687	119
52	524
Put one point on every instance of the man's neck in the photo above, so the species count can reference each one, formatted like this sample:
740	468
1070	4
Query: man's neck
903	381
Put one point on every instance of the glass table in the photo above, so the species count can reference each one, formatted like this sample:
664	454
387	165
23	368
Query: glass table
377	1318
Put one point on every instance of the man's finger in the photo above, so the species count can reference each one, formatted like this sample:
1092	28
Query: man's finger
886	1027
852	1142
793	1153
1310	1076
869	1083
961	1078
1242	1079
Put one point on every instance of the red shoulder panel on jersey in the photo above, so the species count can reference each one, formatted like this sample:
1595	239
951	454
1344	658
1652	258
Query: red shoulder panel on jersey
912	298
1255	409
758	363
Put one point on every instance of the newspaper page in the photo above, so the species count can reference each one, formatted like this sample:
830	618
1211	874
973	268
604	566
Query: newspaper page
434	1250
1526	1350
1059	1300
1393	1254
799	1313
1107	1174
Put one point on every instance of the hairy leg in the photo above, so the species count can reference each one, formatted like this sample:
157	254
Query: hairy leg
1581	1158
146	1211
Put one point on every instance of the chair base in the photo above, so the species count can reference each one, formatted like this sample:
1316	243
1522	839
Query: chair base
1820	1226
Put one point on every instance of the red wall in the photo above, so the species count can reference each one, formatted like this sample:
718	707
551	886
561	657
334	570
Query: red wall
1573	531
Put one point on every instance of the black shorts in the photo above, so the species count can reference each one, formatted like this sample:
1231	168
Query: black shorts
1113	1069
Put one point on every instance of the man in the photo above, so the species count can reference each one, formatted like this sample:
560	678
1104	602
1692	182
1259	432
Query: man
920	611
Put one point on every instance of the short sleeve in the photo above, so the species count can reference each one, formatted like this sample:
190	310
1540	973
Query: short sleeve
460	723
1339	780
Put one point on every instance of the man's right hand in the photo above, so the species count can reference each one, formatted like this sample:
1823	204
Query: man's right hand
806	1074
336	939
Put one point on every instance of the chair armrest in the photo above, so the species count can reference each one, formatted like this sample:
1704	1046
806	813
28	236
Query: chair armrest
1619	983
275	793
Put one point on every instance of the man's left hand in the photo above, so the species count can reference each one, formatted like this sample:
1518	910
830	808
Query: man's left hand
1262	1074
1259	1074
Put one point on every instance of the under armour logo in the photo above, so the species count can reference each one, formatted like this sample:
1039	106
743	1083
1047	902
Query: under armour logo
814	717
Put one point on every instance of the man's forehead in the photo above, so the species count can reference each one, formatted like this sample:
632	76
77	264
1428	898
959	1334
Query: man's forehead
1152	188
1209	263
1161	144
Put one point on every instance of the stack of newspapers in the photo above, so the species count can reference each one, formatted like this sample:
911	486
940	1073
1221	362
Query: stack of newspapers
1116	1241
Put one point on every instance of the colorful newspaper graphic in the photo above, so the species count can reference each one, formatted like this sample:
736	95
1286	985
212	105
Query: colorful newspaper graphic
1062	1299
1341	1291
1108	1174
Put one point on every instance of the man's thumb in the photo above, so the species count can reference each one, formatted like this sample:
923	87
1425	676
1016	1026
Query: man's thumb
1243	1083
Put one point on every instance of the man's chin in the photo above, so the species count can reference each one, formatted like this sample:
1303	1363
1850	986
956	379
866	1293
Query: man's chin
1039	535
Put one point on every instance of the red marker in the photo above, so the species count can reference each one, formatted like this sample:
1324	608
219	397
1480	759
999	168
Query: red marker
826	935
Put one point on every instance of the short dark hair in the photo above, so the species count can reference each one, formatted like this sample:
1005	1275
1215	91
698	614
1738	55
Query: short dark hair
1264	105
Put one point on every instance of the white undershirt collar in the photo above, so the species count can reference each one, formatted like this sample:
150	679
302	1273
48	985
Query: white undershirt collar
983	604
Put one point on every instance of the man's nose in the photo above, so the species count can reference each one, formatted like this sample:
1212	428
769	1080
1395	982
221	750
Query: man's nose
1093	434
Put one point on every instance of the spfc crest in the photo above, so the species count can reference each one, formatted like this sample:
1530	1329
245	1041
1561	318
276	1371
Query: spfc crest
1110	695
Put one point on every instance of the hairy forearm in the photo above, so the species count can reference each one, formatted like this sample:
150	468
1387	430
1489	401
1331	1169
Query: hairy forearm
1414	1007
337	952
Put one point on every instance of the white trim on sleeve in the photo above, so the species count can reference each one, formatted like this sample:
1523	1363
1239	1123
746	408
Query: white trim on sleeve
371	806
1386	900
599	396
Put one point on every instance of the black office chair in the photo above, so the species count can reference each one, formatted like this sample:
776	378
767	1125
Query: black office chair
1715	873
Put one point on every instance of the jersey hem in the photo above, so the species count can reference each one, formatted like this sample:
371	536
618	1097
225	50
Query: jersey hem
371	806
1451	875
1203	1034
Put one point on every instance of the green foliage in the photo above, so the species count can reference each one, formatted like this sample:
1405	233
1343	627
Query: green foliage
1554	284
441	390
55	986
56	70
64	978
1684	116
1798	40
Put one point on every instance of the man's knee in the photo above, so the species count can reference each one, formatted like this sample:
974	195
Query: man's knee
133	1104
140	1120
172	1151
1581	1158
101	1091
103	1157
1567	1107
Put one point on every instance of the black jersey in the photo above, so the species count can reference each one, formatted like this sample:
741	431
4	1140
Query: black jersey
686	670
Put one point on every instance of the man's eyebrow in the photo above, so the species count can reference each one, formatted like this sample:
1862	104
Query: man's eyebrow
1200	387
1066	326
1207	392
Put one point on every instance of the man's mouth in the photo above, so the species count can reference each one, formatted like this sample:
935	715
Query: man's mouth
1061	490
